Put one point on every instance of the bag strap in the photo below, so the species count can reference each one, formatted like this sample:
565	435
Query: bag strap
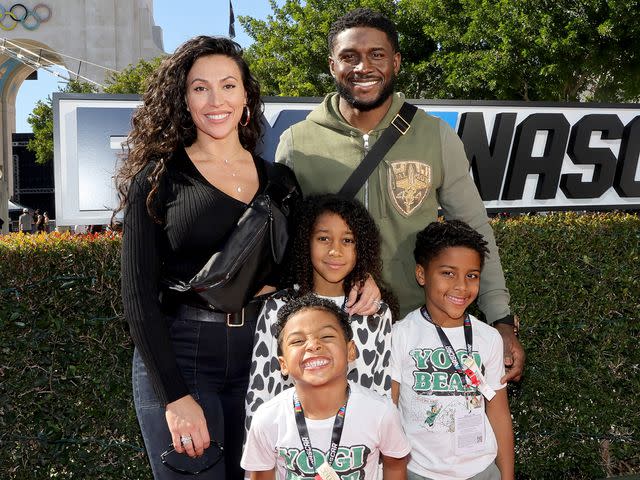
400	124
282	187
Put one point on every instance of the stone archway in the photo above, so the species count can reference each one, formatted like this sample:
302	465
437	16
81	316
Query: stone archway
80	35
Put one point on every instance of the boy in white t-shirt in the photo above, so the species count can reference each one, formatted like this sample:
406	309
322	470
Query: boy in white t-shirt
324	428
446	366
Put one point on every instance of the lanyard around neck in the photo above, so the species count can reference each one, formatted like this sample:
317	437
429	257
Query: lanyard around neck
338	424
468	338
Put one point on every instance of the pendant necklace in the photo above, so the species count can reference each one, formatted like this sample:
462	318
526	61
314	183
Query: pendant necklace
234	174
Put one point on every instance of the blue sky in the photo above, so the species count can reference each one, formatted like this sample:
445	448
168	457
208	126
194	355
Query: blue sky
179	23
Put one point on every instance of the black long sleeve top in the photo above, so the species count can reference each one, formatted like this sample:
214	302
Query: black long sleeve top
197	220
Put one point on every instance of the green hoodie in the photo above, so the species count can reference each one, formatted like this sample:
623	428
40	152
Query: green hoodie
425	167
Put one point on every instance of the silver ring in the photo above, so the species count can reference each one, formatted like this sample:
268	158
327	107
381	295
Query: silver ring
185	439
378	302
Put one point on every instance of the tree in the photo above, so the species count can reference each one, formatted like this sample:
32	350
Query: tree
559	50
131	80
41	121
289	55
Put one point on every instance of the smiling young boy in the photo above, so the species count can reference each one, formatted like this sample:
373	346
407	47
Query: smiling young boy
324	428
446	366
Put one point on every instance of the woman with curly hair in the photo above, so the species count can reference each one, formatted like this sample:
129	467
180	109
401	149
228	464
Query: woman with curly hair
190	175
336	244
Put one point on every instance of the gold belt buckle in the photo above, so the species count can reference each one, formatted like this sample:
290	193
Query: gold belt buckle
234	325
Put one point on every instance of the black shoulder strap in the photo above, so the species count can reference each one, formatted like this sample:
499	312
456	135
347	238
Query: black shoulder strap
398	126
282	186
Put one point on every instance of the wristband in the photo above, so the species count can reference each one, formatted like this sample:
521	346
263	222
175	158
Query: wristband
512	320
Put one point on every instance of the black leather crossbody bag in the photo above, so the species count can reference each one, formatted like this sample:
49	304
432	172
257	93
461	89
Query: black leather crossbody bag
233	275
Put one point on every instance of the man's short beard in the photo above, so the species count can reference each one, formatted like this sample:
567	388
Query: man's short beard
386	92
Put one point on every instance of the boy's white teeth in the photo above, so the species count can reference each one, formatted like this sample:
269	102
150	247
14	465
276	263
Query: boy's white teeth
316	363
458	300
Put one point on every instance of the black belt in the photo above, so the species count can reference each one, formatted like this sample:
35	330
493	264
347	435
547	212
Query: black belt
203	314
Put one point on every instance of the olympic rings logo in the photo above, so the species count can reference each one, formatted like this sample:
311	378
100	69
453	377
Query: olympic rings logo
18	13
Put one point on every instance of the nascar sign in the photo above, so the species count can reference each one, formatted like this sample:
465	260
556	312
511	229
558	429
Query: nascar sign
524	156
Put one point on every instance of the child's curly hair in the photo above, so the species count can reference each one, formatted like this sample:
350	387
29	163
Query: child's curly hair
299	269
437	236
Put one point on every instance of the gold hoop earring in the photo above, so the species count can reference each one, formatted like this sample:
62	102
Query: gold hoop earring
246	122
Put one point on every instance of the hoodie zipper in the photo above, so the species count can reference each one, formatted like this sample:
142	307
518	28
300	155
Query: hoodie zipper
365	138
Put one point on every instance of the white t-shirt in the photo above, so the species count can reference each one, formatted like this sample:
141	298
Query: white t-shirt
371	427
431	392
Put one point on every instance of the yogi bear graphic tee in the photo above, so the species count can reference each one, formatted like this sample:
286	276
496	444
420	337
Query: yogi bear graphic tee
432	394
371	427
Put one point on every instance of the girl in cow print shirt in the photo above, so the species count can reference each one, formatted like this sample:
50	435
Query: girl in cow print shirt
336	244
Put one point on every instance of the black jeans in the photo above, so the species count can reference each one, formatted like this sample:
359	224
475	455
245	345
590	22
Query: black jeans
215	360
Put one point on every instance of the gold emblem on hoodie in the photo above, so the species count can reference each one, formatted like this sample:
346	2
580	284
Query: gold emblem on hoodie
408	184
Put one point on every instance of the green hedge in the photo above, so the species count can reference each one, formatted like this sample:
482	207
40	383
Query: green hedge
65	403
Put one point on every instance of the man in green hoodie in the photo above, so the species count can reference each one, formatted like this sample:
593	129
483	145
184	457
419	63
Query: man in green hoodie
427	166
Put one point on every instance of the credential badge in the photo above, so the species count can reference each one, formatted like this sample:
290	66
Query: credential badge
408	183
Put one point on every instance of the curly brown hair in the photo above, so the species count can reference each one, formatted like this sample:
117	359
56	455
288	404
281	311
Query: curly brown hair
163	124
299	269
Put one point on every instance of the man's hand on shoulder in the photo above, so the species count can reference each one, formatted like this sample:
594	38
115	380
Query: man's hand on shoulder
364	300
514	355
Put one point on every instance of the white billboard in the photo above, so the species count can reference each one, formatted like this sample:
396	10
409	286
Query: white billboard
524	156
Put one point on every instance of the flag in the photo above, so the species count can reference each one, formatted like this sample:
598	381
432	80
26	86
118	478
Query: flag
232	21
